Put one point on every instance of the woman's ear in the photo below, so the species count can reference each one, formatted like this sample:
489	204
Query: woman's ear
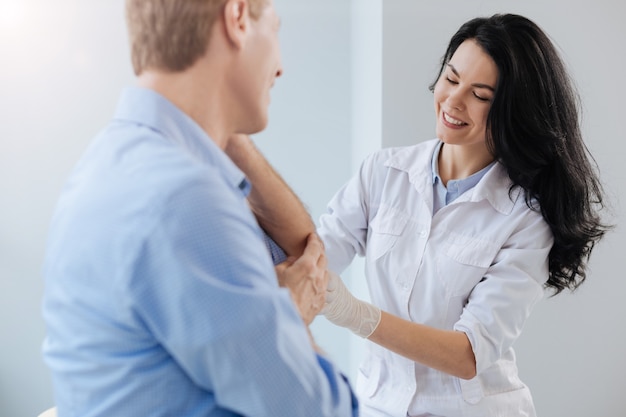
236	21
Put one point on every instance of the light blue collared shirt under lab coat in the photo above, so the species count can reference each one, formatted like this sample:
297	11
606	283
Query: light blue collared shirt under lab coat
446	194
160	296
477	265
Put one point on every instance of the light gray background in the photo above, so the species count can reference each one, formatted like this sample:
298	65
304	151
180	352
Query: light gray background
356	77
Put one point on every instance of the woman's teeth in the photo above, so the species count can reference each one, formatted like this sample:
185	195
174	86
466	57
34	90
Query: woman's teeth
452	120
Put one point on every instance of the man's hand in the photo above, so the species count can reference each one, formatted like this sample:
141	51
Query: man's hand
306	278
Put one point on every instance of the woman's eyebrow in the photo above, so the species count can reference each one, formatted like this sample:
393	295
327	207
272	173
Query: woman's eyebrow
477	85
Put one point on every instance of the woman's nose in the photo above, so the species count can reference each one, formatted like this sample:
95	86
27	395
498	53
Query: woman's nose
455	99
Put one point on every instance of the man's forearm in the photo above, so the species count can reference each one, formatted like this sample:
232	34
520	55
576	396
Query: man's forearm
277	209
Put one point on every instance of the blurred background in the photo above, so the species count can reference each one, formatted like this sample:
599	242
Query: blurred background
356	76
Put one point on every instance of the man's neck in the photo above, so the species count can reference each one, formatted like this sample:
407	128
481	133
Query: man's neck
198	97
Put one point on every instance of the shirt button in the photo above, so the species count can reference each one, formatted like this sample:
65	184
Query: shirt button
422	233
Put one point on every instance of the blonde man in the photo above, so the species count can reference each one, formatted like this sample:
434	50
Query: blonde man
161	296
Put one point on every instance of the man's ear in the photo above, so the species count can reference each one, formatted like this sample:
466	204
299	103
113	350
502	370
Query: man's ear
236	21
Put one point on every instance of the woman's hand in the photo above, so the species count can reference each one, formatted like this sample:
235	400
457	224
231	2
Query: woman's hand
344	310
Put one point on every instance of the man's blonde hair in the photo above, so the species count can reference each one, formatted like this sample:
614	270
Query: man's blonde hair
170	35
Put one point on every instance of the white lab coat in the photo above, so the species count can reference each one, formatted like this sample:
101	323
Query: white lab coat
477	266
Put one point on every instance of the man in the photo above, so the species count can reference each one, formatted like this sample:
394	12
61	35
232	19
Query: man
161	298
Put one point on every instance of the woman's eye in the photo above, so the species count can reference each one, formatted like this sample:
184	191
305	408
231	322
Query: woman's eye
481	98
451	81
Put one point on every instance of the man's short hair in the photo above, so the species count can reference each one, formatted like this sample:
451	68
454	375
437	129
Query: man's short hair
170	35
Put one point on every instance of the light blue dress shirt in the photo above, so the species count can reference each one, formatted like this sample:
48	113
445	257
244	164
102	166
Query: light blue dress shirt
160	296
442	195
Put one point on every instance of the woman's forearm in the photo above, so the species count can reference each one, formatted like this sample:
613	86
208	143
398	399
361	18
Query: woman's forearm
445	350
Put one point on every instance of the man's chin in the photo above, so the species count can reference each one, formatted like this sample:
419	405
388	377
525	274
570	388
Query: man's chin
255	127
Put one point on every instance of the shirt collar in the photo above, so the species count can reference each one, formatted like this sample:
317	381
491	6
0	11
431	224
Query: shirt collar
148	108
417	161
434	166
461	185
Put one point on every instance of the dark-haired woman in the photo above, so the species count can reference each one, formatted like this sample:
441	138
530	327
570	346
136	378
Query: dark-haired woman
463	234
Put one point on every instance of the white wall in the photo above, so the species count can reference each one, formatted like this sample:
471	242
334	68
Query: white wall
63	63
308	137
572	351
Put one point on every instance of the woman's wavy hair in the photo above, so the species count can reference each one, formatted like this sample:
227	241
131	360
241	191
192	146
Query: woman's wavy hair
534	131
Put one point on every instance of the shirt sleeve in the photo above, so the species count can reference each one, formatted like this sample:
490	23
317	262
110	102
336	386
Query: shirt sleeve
276	252
206	289
499	305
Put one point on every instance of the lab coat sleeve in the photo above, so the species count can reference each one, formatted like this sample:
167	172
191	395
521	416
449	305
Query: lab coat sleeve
344	226
500	303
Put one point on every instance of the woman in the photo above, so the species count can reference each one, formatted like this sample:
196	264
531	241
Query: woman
463	233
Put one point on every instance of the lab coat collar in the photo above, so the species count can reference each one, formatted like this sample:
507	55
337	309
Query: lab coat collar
494	186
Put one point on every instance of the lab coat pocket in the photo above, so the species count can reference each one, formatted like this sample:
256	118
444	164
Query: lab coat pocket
369	377
471	390
463	262
385	230
515	401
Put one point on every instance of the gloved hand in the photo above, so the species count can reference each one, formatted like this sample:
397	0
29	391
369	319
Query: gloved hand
345	310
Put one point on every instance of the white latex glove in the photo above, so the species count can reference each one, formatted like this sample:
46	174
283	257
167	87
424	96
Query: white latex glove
345	310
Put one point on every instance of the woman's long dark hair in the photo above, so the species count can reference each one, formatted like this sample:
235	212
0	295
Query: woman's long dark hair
534	131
